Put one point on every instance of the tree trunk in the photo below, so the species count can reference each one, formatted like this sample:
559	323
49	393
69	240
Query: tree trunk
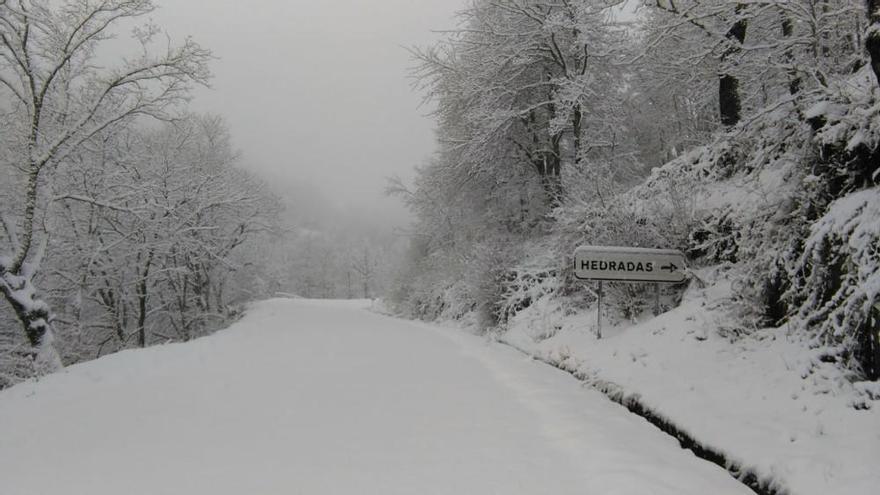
794	81
872	41
868	352
35	318
30	208
142	302
729	101
576	124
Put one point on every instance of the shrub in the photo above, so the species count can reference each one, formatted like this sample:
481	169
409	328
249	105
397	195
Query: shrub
835	281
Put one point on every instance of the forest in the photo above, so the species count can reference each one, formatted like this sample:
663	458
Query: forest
128	219
745	134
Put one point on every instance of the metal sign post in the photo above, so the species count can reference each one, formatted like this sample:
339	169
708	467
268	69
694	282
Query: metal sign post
627	264
656	299
599	314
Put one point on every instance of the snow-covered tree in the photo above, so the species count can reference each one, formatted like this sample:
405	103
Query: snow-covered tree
527	95
720	98
152	224
61	99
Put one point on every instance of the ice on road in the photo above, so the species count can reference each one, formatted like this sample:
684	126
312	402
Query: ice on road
308	397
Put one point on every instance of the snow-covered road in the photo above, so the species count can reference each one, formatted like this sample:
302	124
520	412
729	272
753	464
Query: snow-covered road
307	397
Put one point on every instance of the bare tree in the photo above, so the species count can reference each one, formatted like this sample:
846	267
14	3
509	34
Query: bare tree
365	266
62	99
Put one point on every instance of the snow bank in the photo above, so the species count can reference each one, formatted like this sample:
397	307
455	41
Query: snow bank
768	402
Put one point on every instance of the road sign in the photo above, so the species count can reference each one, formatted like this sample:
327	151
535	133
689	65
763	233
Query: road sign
627	264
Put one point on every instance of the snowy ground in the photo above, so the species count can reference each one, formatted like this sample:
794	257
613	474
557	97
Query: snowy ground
325	397
769	403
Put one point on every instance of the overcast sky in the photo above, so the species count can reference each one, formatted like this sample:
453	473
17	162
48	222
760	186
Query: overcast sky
317	91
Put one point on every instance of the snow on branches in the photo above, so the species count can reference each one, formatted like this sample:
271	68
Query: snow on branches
836	280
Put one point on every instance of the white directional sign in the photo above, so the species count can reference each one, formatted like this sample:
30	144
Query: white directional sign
629	264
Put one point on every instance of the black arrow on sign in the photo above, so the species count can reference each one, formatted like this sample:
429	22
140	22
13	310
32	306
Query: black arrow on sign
670	267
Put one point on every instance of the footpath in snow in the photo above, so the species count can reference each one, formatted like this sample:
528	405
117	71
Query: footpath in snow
307	397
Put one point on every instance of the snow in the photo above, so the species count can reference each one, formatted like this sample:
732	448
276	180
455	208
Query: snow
856	140
768	401
856	217
629	250
853	221
325	397
819	108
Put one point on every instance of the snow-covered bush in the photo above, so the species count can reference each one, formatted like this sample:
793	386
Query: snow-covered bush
429	286
534	277
836	280
487	269
846	117
716	238
659	213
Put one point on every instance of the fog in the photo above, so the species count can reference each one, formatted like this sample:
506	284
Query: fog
316	94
